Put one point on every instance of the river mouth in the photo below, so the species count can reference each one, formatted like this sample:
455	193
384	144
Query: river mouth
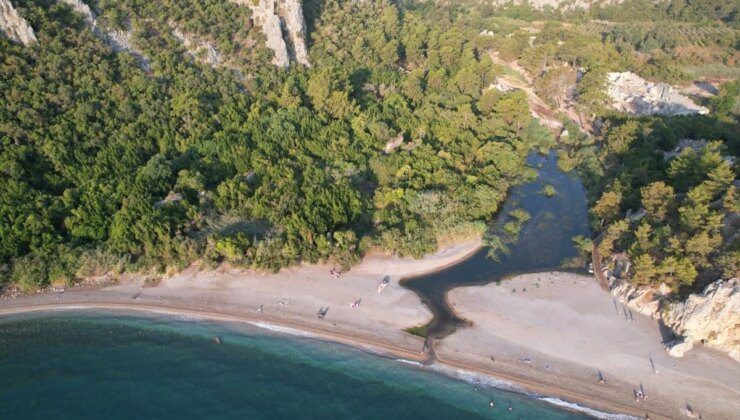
545	243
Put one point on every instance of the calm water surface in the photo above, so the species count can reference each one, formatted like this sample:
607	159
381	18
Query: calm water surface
544	243
103	366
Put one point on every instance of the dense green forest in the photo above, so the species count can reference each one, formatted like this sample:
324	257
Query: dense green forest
392	140
674	215
672	207
108	167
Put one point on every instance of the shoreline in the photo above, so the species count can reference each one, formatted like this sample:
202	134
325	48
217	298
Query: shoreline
528	387
562	328
291	297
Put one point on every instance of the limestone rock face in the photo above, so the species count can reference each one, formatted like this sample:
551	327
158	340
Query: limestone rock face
14	26
643	300
83	9
264	15
632	94
711	317
118	40
294	24
284	28
200	49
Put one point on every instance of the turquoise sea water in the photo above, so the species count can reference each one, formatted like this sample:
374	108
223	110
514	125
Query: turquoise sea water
104	366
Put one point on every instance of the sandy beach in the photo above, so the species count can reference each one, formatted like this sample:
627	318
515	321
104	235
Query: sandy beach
563	328
290	298
550	340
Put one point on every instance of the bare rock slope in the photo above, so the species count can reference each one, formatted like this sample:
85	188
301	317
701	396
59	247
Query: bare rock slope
632	94
117	40
284	28
14	26
711	317
202	50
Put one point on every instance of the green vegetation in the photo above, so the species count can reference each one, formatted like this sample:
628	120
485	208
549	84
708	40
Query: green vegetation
505	233
108	167
419	330
672	215
549	191
391	140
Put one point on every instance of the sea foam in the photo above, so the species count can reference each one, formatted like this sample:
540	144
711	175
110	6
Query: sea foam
585	410
282	330
474	378
410	362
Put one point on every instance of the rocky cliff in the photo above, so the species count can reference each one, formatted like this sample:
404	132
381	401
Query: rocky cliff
711	317
294	24
284	28
117	40
14	26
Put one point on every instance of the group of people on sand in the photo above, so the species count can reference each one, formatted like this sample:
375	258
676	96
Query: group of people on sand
283	302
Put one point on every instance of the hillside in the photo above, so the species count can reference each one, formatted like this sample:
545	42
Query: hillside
145	136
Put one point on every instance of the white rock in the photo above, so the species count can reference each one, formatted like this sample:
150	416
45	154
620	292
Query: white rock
264	15
198	48
632	94
643	300
275	15
292	14
118	40
680	349
711	317
14	26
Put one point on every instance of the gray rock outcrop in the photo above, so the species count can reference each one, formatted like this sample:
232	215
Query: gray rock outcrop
284	28
14	26
644	300
119	41
632	94
711	317
295	25
198	48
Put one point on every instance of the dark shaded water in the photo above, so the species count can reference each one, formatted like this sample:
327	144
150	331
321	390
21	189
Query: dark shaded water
543	244
103	366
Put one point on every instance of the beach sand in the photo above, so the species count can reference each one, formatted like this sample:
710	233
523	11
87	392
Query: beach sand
568	323
563	328
290	298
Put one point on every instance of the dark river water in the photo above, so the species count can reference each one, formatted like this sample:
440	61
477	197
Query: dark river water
544	243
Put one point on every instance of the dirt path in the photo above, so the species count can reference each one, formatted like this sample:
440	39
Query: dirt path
540	109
